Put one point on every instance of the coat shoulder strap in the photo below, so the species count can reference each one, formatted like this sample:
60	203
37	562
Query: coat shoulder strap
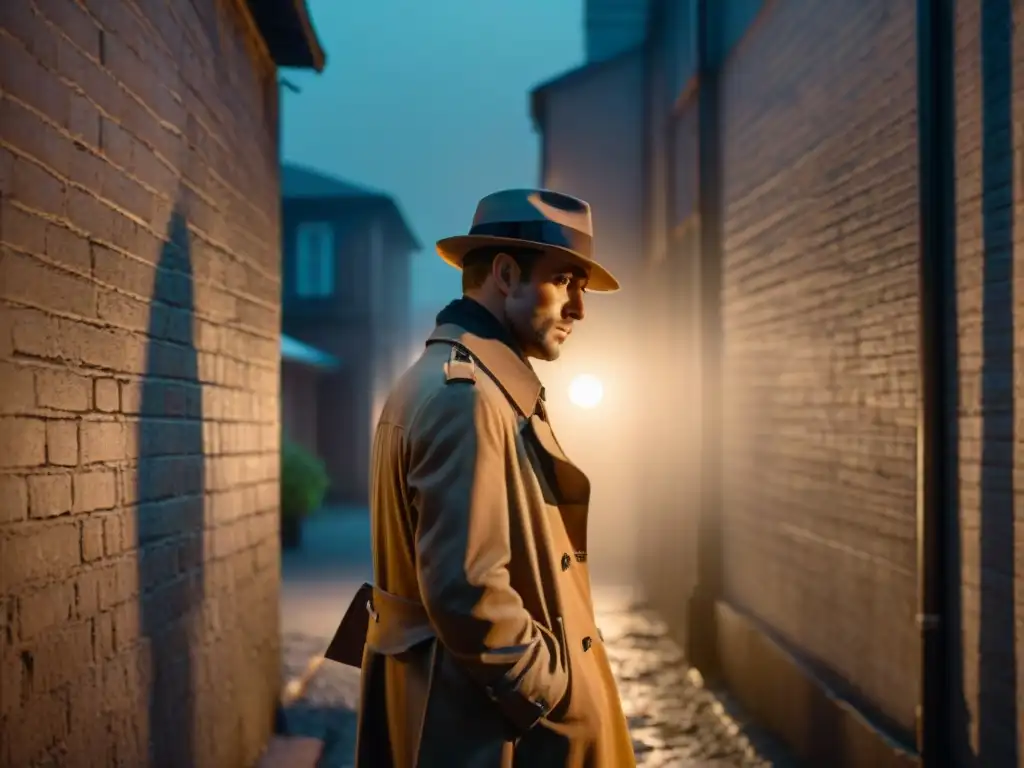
460	366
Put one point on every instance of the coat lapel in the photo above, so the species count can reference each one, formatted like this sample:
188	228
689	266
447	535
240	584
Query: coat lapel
573	484
523	388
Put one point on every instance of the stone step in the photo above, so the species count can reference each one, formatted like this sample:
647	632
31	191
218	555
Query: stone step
291	752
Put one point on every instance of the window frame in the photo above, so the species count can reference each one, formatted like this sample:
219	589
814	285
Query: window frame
315	270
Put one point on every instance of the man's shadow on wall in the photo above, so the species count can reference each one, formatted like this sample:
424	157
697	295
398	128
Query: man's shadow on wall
170	517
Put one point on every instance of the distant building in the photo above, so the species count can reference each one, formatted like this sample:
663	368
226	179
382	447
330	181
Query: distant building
591	120
347	253
613	26
302	371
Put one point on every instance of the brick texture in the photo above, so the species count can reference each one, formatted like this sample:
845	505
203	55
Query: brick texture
820	335
989	60
139	308
820	312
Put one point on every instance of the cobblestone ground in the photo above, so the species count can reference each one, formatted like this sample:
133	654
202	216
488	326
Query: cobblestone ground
674	719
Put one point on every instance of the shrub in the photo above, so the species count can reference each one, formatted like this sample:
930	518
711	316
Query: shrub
304	481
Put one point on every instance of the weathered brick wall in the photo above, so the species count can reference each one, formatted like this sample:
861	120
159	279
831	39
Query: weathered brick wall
990	111
139	313
819	313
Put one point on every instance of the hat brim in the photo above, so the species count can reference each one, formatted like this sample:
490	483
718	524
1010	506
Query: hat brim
453	249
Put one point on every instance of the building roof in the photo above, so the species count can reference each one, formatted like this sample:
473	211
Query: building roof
295	351
288	32
302	183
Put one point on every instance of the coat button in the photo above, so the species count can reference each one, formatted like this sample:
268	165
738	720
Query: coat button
587	642
566	561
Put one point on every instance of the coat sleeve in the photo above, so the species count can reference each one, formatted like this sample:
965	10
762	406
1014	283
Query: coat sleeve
458	465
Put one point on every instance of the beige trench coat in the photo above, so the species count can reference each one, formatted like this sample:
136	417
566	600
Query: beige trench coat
482	648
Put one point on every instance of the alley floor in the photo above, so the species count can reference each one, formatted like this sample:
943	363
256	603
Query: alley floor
675	720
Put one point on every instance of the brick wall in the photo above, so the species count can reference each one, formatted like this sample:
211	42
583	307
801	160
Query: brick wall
139	313
990	110
819	313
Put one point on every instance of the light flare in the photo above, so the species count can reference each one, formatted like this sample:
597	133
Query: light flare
586	391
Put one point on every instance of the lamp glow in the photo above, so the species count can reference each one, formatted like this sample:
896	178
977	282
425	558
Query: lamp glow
586	391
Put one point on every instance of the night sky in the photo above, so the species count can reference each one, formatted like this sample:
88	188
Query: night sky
430	102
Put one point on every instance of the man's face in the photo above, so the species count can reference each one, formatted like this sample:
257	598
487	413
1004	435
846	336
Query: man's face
541	311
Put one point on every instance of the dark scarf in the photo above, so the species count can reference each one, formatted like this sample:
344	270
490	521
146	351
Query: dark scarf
478	320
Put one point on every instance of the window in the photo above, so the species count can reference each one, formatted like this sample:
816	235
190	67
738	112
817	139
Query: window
314	259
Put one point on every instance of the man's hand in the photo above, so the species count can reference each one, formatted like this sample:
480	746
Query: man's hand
459	449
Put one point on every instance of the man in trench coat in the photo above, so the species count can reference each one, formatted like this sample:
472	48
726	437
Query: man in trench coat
481	646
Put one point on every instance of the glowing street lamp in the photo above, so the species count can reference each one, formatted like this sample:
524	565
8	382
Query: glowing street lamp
586	391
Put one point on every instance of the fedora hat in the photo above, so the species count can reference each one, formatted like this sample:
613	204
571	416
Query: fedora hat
532	218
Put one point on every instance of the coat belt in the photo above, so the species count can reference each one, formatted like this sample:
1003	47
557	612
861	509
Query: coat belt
381	621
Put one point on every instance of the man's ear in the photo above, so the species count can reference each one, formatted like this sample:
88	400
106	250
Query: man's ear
506	273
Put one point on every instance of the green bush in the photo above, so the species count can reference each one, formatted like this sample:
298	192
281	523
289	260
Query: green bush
304	481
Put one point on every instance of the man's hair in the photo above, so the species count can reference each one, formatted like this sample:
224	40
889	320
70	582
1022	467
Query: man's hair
476	265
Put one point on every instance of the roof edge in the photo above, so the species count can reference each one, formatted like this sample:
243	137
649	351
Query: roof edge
572	77
415	246
287	29
355	191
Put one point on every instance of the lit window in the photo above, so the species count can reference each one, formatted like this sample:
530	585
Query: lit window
314	259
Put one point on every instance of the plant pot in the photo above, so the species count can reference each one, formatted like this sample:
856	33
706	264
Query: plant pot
291	532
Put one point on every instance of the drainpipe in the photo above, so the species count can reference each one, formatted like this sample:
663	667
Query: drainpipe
935	512
702	629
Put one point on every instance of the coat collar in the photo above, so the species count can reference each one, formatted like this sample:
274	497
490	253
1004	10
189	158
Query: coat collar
508	369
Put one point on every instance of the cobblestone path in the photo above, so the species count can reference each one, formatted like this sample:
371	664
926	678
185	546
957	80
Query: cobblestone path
674	719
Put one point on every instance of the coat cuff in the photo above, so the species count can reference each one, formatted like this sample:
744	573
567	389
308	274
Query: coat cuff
520	710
